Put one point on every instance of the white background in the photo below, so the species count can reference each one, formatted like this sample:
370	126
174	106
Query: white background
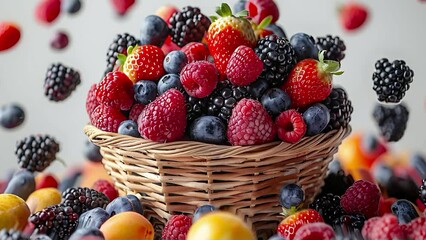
396	29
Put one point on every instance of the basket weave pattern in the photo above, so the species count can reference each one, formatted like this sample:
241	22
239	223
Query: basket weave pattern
179	176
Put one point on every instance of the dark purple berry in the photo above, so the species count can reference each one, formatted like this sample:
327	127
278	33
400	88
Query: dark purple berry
145	91
275	101
304	46
11	115
291	195
154	31
208	129
316	118
60	40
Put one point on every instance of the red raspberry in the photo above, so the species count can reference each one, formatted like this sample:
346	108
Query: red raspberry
362	197
46	181
244	66
136	111
9	35
164	119
353	16
122	6
384	228
291	126
385	205
106	188
250	124
176	228
91	101
314	231
48	10
260	9
196	51
107	118
199	78
416	229
115	90
369	226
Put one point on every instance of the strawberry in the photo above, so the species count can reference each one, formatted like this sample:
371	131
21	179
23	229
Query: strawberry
289	226
227	33
143	63
260	29
122	6
260	9
310	81
48	10
244	66
9	35
353	16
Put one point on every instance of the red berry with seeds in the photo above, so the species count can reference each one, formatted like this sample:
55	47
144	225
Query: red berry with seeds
107	118
106	188
385	227
199	78
416	229
291	126
122	6
144	63
164	119
291	224
9	35
115	90
250	124
244	66
177	228
314	231
369	226
260	9
91	101
48	10
135	111
362	197
353	16
196	51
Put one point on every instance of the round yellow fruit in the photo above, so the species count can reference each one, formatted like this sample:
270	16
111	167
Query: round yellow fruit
14	212
220	226
127	225
42	198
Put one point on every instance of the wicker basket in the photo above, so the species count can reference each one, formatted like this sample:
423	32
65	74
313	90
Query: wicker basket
179	176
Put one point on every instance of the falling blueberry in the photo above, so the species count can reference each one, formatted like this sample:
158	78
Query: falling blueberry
11	115
71	6
60	40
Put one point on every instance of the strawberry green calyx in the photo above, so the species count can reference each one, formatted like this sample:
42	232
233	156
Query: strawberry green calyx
328	66
265	22
225	11
292	210
121	58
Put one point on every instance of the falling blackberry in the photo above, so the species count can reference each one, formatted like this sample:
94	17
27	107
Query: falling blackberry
334	47
60	82
355	221
188	25
12	234
392	121
83	199
340	109
36	152
118	46
422	191
278	59
337	183
195	107
329	207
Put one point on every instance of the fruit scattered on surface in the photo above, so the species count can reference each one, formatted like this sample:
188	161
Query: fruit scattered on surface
71	6
11	115
10	34
106	188
177	227
362	197
154	31
59	40
392	121
60	82
353	15
14	212
42	198
291	224
121	7
47	11
127	225
334	47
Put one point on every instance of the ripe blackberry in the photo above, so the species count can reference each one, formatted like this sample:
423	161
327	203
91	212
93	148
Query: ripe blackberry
329	207
36	152
83	199
340	109
195	107
278	59
334	47
119	45
60	82
422	191
355	221
12	234
391	80
337	183
392	121
189	25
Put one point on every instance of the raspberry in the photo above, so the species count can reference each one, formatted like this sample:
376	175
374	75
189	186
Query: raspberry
196	51
107	118
353	16
135	111
176	228
250	124
164	120
115	90
122	6
260	9
312	231
416	228
386	228
48	10
91	101
106	188
244	66
46	181
369	226
199	78
291	126
10	34
362	197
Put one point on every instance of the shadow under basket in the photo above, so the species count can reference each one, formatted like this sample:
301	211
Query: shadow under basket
177	177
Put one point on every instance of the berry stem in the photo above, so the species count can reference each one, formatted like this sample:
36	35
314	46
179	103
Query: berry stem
290	211
328	66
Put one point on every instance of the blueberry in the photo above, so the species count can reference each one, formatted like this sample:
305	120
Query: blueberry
275	101
404	210
418	162
169	81
22	184
239	6
200	211
316	118
175	61
208	129
137	206
69	181
291	195
257	88
71	6
276	237
382	174
118	205
40	237
154	31
11	115
304	46
92	152
94	233
277	30
129	127
93	218
145	91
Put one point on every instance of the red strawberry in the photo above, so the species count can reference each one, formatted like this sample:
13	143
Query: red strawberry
107	118
48	10
310	81
164	119
260	9
106	188
46	181
9	35
250	124
199	78
227	33
315	231
289	226
291	126
260	29
383	228
115	90
196	51
244	66
362	197
416	229
176	228
144	63
91	101
122	6
353	15
135	111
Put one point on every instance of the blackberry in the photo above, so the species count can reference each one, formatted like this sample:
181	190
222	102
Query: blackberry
36	152
278	59
195	107
60	82
189	25
355	221
392	121
340	109
119	45
12	234
391	80
334	47
337	183
82	199
422	191
329	207
343	232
